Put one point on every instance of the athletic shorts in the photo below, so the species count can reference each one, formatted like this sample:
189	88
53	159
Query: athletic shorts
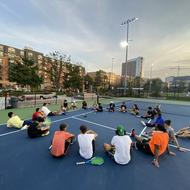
144	147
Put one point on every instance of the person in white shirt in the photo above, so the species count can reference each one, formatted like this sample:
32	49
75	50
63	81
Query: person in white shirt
86	142
47	112
120	146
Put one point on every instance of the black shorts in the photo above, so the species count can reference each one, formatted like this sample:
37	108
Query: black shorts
144	147
51	114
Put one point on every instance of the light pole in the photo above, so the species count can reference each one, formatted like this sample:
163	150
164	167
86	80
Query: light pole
126	44
150	85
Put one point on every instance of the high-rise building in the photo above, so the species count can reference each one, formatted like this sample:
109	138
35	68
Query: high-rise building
133	67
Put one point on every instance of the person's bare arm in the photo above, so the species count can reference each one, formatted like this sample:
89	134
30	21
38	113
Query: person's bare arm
156	155
170	152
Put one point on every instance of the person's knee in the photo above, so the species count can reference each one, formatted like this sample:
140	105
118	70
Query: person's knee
107	147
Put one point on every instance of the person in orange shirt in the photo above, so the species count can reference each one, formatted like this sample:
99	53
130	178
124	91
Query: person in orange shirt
61	141
156	145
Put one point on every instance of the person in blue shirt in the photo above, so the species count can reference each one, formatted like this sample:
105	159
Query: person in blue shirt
159	121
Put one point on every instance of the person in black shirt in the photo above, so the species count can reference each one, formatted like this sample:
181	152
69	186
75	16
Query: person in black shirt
123	107
149	115
36	129
99	108
111	107
84	105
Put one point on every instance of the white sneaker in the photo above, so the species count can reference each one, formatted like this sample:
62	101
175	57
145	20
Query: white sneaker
24	127
143	123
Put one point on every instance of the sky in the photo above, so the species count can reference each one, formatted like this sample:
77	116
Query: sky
90	31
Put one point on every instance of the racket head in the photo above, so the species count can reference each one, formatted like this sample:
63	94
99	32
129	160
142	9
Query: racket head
97	161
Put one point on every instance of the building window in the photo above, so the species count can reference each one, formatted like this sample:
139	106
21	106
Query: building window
22	53
40	57
11	50
30	54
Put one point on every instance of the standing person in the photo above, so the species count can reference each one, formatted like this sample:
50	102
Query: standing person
61	141
120	146
73	105
111	107
84	105
156	145
171	133
86	142
36	128
14	121
37	114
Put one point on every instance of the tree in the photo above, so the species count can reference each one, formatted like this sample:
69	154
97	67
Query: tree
24	73
73	78
58	65
89	82
101	81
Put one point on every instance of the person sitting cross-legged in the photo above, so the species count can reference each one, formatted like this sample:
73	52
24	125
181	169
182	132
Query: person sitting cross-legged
37	114
123	107
61	141
135	110
99	108
14	121
37	128
120	146
111	107
149	115
86	142
156	145
84	105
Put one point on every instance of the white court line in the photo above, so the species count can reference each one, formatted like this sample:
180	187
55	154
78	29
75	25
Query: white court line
104	126
12	132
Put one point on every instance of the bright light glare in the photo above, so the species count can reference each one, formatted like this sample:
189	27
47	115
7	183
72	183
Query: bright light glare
123	44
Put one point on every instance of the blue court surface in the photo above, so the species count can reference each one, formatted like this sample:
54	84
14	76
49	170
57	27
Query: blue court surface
26	163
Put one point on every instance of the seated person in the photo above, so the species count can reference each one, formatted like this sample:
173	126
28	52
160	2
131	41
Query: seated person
73	105
111	107
149	115
65	105
123	107
61	141
94	106
14	121
47	112
171	133
37	114
135	110
156	145
120	146
156	110
36	128
86	142
183	133
84	105
99	108
159	121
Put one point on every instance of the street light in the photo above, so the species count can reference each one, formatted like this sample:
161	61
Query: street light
125	44
150	85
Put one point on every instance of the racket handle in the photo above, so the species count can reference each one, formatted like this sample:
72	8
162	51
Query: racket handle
79	163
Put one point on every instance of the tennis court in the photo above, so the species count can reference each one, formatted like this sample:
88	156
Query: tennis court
26	163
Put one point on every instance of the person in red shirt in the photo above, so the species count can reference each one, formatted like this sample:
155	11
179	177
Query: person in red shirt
38	114
61	141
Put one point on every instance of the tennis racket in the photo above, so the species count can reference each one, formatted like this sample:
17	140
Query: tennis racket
96	161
